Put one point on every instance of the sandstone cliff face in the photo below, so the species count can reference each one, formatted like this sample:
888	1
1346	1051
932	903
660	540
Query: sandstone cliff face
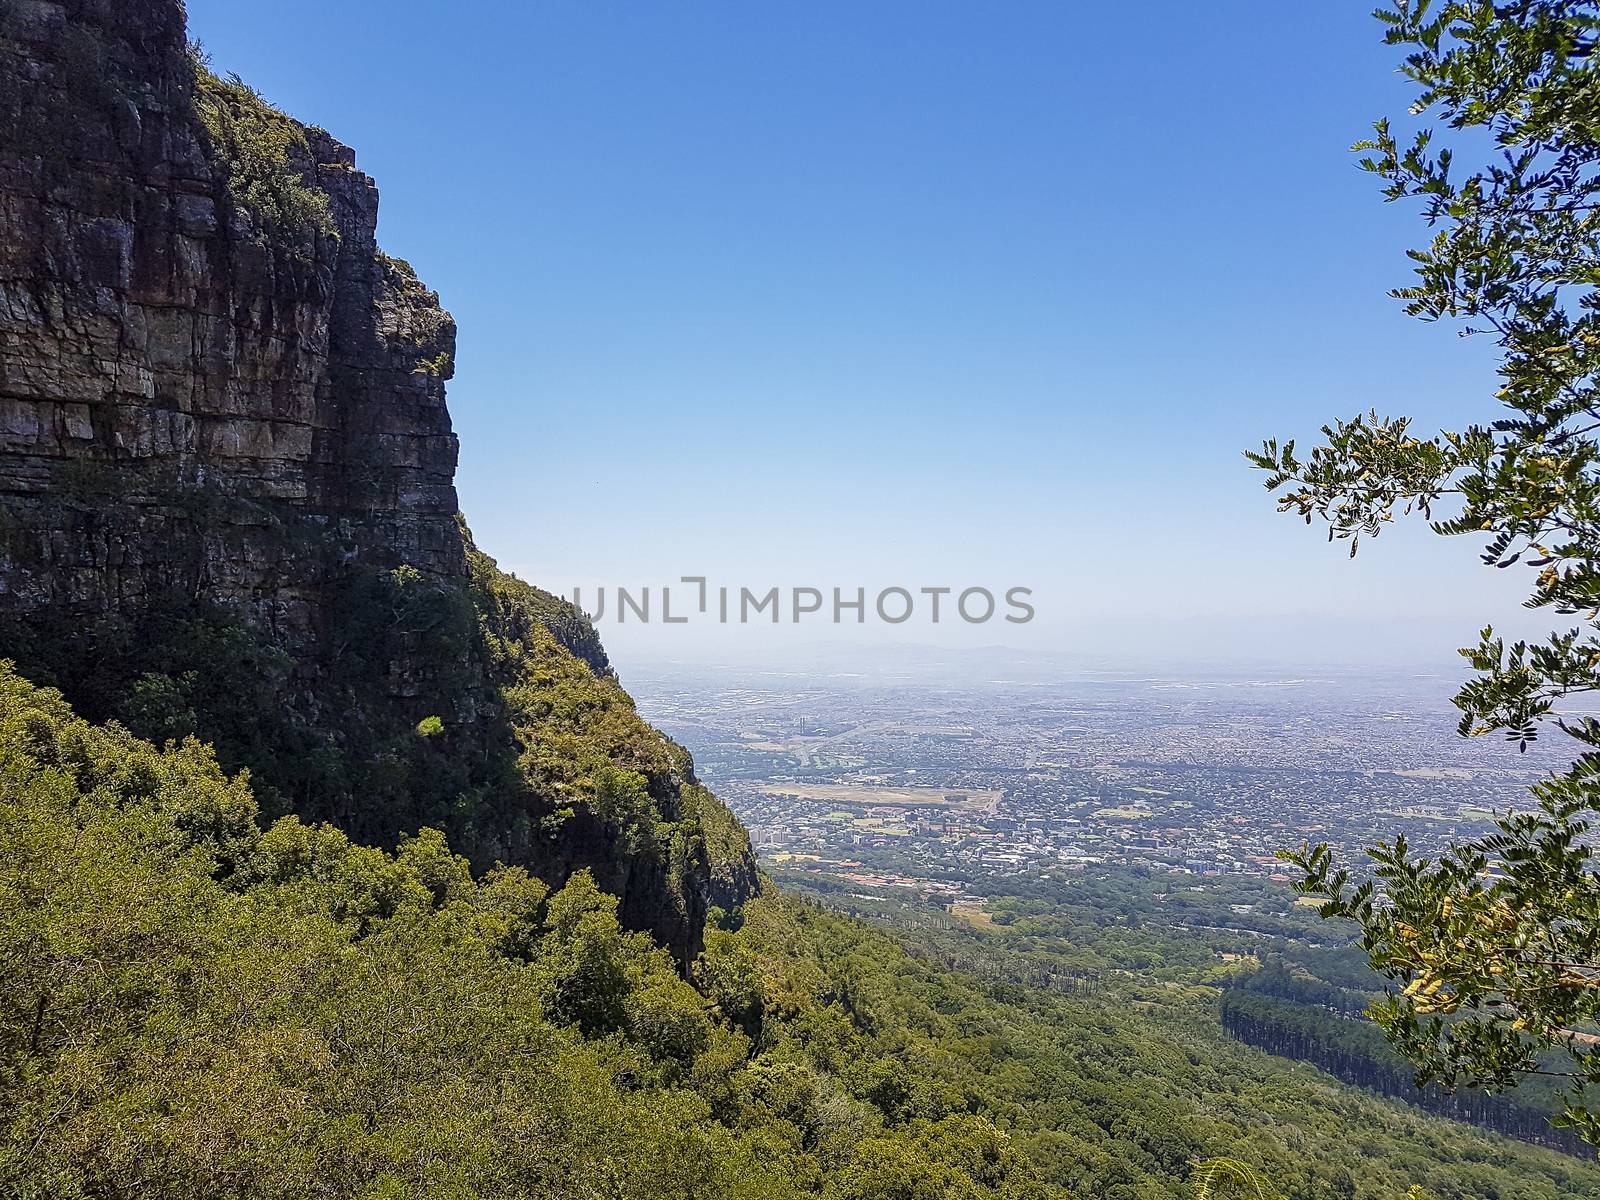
264	410
226	471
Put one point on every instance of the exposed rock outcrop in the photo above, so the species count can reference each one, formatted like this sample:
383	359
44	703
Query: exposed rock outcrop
192	402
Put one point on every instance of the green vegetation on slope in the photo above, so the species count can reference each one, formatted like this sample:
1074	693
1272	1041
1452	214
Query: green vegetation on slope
259	151
1355	1051
1213	956
483	707
195	1006
198	1006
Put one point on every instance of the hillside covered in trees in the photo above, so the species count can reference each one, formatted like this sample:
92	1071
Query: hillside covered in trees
200	1003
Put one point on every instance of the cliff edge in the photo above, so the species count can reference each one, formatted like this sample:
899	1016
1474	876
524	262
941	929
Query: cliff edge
227	477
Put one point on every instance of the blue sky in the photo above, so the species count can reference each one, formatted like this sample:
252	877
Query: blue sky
925	293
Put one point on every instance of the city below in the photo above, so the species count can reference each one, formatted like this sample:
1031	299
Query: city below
929	777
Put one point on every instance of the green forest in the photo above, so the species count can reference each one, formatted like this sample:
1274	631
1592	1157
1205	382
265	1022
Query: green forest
200	1004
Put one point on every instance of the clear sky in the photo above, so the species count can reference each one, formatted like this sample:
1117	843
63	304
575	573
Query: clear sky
904	293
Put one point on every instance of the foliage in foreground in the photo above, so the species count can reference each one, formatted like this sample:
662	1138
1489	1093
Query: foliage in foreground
1496	945
195	1006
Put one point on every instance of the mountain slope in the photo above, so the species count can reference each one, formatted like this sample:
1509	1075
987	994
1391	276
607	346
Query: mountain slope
200	1006
227	472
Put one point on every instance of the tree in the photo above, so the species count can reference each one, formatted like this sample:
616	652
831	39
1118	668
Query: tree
1494	946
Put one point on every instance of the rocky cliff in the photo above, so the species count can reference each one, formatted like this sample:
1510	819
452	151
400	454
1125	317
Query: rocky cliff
226	466
229	374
